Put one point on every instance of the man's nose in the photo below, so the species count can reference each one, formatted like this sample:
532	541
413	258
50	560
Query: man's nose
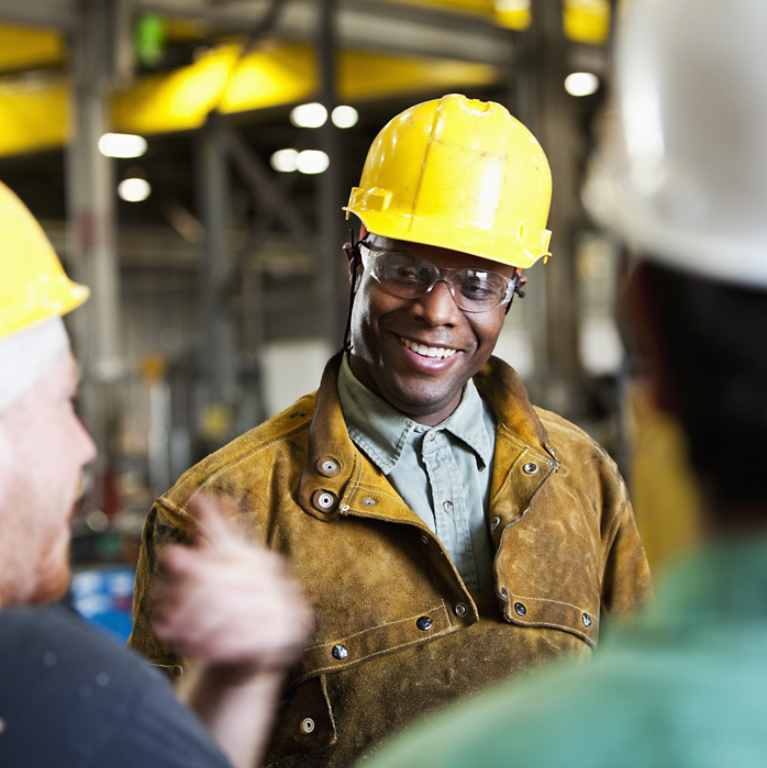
438	305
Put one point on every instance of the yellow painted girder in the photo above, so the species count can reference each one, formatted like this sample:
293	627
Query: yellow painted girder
33	118
24	47
274	75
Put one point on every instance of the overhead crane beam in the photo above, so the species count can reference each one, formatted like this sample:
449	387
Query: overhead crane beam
373	24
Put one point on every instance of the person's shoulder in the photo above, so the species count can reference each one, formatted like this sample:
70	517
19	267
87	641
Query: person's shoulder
559	425
574	445
56	644
546	719
71	695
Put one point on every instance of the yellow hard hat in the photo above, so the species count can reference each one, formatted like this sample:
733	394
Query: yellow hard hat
33	286
460	174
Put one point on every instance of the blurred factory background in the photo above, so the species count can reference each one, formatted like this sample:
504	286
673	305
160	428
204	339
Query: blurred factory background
189	160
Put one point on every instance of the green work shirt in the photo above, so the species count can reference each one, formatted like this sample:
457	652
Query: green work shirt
441	472
684	686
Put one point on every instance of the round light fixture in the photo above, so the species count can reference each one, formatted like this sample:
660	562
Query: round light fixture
311	115
581	83
312	161
344	116
285	160
134	190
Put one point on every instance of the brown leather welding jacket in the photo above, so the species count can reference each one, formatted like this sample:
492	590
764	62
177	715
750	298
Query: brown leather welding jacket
397	633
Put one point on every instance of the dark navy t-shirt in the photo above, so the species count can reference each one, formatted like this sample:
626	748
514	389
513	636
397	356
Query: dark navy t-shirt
71	696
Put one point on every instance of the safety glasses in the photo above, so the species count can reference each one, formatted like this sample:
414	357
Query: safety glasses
407	277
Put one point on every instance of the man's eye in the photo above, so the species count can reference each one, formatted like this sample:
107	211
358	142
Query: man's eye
477	289
408	273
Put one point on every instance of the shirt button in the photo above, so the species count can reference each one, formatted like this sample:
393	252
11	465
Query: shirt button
424	623
307	725
494	523
448	506
460	609
530	468
520	609
430	437
586	620
340	652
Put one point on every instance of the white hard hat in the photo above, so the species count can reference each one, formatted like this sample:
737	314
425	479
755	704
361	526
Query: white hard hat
681	173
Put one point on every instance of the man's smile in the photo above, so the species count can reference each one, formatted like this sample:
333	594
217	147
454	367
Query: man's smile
427	351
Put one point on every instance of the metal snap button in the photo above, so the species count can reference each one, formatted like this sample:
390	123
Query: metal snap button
460	609
424	623
307	725
530	468
586	620
504	594
520	609
424	538
448	506
328	466
368	502
494	523
340	652
324	501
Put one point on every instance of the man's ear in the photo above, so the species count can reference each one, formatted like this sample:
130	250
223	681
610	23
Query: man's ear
354	263
640	307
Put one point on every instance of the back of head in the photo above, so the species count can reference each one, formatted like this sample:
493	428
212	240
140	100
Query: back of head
681	176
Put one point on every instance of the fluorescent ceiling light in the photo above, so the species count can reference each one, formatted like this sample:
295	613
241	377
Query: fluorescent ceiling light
122	145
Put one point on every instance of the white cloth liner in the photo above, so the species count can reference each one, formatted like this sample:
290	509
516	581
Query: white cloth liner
27	356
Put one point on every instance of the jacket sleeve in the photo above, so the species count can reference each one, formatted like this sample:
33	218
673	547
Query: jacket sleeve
626	581
164	525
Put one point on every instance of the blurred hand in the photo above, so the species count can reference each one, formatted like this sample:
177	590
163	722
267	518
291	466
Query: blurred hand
228	601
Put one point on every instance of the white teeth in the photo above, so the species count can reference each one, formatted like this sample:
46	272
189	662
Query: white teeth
422	349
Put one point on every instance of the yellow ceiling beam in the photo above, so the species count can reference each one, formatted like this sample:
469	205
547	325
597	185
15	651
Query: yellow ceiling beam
587	21
584	21
25	47
34	114
277	74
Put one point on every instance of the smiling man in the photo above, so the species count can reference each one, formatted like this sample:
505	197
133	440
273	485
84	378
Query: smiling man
448	533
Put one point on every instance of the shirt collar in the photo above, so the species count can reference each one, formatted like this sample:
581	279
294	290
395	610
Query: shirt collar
382	432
